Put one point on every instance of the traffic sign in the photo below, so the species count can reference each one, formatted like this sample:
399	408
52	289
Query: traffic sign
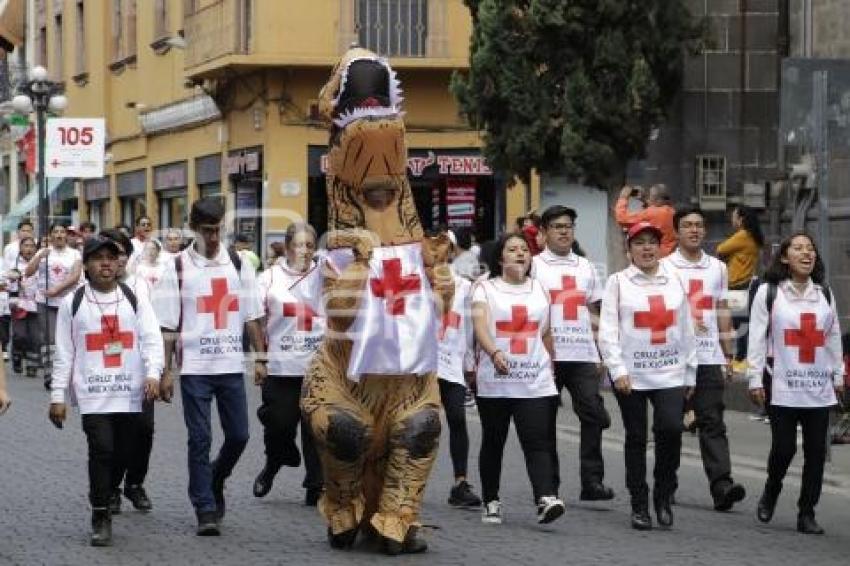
74	147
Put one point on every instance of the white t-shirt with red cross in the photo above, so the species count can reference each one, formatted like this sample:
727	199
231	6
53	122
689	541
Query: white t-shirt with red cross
805	340
215	302
707	283
106	351
646	331
455	334
295	320
59	264
395	330
519	317
572	284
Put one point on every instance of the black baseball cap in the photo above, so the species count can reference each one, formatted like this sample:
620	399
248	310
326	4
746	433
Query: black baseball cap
94	245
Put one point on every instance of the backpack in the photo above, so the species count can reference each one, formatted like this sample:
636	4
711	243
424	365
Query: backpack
80	293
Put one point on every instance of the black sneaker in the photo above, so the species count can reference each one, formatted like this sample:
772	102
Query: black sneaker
115	502
138	497
728	494
596	491
462	495
207	524
32	372
101	528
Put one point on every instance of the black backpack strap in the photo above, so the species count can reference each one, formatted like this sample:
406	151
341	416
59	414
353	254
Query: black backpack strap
827	292
178	268
236	259
77	300
131	296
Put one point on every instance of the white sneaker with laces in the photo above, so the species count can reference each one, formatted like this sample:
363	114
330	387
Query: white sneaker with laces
491	513
549	508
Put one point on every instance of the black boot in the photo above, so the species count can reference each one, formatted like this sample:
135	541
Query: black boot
726	494
312	496
101	527
265	479
640	515
412	544
766	506
807	525
663	511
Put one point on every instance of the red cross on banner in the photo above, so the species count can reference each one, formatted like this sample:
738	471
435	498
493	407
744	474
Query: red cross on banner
569	297
219	303
450	320
519	329
808	338
303	315
394	286
657	319
700	302
109	333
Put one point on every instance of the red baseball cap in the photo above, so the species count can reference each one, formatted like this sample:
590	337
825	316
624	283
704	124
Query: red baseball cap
642	227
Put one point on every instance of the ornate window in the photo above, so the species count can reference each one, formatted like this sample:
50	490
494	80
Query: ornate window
395	28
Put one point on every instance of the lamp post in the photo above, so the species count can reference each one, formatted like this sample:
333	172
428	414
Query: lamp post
40	94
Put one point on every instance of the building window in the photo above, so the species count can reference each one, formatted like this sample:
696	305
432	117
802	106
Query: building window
80	65
58	63
395	28
130	47
711	176
160	17
117	29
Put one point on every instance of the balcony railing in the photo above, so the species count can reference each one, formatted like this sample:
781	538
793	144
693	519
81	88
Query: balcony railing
218	28
395	28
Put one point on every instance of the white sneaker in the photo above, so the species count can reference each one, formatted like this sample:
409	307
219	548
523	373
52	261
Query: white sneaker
549	508
491	513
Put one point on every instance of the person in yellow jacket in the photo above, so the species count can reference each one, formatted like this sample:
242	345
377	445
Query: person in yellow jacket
741	253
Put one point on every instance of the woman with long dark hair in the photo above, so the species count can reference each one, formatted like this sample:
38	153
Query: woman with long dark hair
510	318
793	318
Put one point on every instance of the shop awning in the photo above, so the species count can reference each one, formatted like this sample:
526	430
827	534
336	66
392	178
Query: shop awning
27	205
12	21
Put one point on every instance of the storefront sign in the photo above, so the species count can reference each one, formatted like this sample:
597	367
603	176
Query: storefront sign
465	165
169	176
96	189
460	202
74	147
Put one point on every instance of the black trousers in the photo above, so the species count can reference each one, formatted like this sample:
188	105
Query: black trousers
581	380
783	428
5	331
280	414
135	468
110	440
708	408
534	420
667	408
453	396
27	339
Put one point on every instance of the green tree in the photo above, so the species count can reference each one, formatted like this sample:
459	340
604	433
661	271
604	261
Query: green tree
572	86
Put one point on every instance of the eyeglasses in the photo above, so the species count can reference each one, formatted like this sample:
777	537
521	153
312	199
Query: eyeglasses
562	227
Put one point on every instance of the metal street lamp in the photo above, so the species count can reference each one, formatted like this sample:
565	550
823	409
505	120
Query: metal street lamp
40	94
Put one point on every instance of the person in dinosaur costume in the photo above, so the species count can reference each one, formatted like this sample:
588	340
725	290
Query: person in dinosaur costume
371	395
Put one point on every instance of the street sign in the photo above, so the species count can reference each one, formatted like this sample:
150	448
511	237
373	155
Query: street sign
74	147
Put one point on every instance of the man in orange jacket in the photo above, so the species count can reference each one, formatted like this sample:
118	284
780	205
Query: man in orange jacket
657	211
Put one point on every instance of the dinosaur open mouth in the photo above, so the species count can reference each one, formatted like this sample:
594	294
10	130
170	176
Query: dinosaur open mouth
368	89
379	197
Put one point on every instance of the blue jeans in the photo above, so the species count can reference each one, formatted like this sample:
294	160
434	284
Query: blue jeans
197	392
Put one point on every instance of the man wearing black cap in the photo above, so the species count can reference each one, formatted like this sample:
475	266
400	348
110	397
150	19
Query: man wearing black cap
109	349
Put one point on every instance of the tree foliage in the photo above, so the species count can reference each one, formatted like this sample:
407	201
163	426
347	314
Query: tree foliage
572	86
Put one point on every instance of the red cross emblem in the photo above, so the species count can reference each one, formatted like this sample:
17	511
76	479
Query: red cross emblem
109	332
657	319
219	303
699	301
55	162
569	297
808	338
303	315
58	270
519	329
394	286
450	320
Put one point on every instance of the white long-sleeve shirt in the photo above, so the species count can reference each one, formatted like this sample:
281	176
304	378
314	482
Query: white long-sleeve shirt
105	351
646	331
805	342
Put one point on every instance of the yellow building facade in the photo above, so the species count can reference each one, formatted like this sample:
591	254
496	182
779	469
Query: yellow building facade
217	97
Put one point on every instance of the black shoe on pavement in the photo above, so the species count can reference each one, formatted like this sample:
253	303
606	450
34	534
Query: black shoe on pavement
641	520
218	492
311	496
101	527
462	495
728	494
766	507
115	502
32	372
412	544
343	540
208	524
138	497
807	525
596	492
663	511
264	481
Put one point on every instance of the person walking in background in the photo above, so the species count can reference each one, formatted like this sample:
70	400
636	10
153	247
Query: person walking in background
705	281
794	320
26	329
646	338
741	252
575	292
656	210
144	226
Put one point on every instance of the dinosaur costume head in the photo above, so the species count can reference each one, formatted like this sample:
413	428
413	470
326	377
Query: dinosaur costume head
367	157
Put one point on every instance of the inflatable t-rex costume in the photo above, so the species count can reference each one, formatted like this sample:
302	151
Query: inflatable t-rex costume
371	395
